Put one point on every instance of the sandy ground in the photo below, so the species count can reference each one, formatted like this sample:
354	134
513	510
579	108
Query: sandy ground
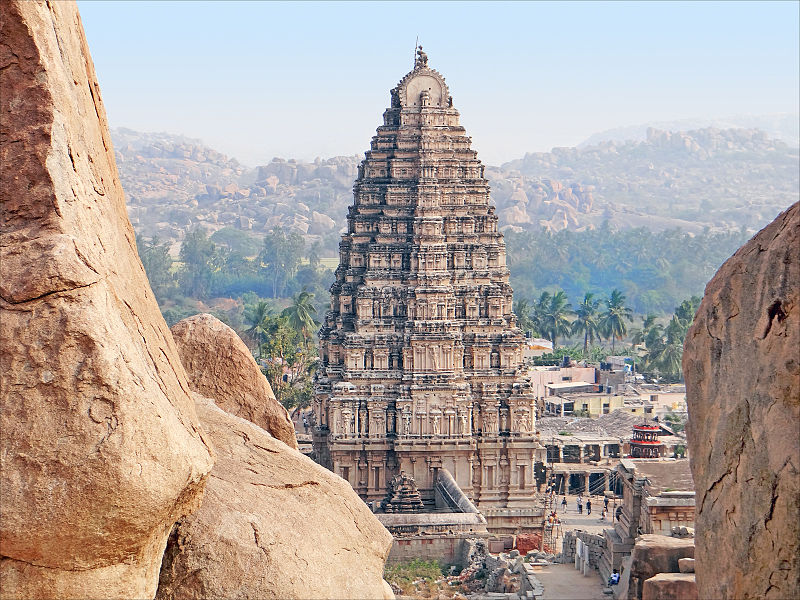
563	582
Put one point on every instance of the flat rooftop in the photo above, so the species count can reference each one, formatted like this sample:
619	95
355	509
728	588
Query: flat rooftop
663	474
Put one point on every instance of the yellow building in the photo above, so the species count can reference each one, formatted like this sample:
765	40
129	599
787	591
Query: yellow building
595	404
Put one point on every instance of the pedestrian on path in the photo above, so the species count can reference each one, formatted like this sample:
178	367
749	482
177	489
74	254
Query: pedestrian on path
564	504
605	503
580	506
588	506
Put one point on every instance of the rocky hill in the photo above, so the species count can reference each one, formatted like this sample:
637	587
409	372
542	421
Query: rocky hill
721	179
708	178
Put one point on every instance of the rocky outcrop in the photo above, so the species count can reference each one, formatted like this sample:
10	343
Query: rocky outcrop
220	366
273	524
101	451
670	586
742	371
652	554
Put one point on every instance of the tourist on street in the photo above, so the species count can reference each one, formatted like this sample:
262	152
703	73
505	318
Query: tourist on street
588	506
614	579
580	506
605	503
603	515
564	504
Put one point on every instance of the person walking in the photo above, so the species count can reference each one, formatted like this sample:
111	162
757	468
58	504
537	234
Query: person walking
564	504
605	503
580	506
588	506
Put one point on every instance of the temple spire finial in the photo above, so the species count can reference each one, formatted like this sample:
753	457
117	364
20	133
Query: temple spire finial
421	60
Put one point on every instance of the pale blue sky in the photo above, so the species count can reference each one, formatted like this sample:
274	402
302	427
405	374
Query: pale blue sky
264	79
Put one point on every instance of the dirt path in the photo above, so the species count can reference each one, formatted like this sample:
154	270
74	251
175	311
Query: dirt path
563	582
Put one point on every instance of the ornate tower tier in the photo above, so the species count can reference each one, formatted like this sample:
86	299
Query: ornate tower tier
421	356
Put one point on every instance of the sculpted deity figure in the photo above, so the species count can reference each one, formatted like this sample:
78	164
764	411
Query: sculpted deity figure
436	424
491	422
434	352
464	423
406	422
522	422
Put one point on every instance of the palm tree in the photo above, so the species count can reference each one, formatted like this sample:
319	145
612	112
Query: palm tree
300	314
614	319
539	317
556	321
671	352
587	321
257	316
523	311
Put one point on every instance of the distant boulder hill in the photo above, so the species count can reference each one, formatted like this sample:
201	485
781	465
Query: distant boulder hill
721	179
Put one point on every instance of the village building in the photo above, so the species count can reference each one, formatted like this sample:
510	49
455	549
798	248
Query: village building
421	358
583	453
657	497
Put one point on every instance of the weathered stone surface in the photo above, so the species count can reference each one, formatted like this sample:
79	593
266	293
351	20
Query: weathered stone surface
686	565
670	586
654	554
220	366
273	524
742	370
101	451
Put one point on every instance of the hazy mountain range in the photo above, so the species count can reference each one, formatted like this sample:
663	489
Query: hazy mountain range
720	179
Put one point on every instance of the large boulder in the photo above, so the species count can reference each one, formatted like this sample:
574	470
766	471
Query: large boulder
742	368
273	524
654	554
101	450
221	367
670	586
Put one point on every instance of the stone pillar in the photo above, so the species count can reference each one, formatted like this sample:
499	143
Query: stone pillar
582	450
607	480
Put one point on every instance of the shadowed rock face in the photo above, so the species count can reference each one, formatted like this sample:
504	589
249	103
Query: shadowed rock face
229	374
101	451
273	524
742	368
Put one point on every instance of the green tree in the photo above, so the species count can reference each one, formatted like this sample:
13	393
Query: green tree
290	363
257	316
556	317
314	253
280	257
523	310
157	264
539	316
587	320
614	320
197	255
300	314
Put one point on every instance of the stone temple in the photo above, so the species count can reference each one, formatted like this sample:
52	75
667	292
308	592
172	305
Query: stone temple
422	366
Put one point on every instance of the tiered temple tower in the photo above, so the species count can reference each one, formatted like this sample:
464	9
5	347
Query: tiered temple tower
421	357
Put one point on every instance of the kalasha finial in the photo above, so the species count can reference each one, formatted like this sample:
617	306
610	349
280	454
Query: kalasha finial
422	58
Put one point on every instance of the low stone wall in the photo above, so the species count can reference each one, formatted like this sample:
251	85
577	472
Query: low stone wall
596	544
447	550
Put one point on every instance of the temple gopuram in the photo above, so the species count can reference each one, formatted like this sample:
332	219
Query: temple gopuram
421	358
